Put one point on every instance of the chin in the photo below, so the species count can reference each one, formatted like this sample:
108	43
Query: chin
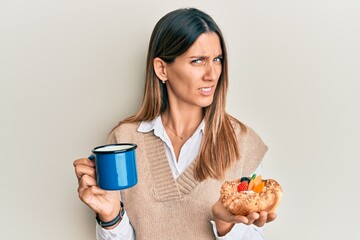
206	103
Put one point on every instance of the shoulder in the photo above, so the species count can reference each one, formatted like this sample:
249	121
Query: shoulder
123	132
244	132
252	149
251	137
250	143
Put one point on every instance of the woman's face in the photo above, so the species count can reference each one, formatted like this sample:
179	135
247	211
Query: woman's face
193	76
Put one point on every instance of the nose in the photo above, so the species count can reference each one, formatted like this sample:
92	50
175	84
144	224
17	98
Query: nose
212	72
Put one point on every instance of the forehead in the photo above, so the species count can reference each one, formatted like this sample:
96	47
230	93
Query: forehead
206	44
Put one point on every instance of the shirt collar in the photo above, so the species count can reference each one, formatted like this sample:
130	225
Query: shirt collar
158	127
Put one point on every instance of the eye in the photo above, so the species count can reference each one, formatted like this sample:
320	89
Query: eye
218	59
197	61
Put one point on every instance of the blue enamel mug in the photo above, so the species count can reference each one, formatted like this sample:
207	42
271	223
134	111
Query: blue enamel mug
115	166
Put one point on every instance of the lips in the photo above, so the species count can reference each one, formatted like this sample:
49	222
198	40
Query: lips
206	90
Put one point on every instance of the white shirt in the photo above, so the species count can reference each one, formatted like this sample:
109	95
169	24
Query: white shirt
188	153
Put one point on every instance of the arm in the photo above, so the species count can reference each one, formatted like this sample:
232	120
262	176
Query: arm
122	231
105	203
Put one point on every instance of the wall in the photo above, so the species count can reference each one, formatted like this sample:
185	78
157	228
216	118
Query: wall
70	70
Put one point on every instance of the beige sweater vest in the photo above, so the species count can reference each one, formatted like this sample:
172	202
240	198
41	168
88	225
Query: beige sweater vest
161	207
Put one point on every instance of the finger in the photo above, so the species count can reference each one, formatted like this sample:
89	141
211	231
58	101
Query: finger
84	161
88	187
220	212
252	217
263	216
87	181
81	170
93	190
271	217
239	219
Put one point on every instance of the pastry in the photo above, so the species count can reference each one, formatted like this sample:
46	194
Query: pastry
246	195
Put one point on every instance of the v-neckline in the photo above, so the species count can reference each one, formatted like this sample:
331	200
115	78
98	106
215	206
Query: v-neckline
166	187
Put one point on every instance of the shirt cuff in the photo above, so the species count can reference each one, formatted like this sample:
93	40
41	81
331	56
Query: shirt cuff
240	232
123	230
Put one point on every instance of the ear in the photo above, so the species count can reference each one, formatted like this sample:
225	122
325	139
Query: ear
160	69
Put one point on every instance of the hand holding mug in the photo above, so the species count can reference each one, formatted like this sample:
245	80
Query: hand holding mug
110	167
105	203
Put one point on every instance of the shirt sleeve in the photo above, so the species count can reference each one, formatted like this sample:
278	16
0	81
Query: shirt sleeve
123	231
241	232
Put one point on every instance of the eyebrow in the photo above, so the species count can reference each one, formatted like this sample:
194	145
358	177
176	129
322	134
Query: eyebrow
205	57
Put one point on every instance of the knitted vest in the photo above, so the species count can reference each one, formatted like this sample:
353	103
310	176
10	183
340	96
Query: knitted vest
161	207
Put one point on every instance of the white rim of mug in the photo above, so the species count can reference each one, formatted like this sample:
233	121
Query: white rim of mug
131	147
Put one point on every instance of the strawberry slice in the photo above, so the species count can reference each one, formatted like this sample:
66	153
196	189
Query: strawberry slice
243	186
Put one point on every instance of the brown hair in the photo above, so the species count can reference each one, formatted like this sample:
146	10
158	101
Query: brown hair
172	36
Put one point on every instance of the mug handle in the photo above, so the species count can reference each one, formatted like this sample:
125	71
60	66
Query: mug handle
91	157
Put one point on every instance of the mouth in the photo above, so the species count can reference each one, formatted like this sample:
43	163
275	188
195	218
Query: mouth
206	89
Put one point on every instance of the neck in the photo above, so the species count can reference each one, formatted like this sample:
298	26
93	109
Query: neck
182	123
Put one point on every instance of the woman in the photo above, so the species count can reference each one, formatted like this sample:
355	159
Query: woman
187	144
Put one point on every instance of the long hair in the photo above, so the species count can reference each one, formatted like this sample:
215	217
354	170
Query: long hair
172	36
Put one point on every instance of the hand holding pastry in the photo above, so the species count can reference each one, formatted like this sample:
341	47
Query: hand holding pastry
225	220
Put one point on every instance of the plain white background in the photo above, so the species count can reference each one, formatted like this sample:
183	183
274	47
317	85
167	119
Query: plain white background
70	70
